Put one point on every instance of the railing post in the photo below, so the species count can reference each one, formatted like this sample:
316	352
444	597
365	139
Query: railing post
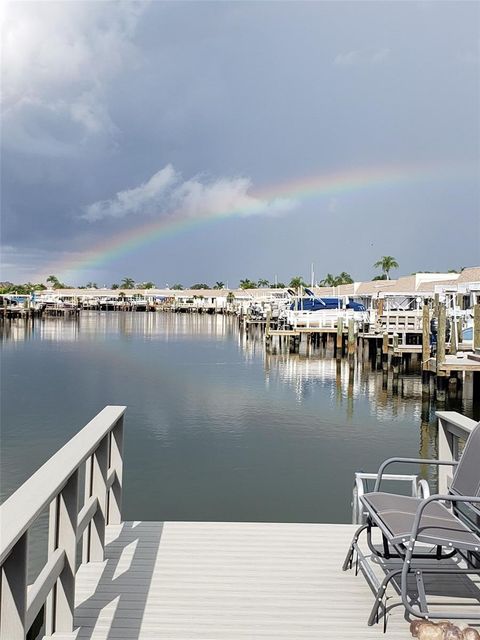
67	514
13	601
87	494
99	489
445	452
116	464
52	543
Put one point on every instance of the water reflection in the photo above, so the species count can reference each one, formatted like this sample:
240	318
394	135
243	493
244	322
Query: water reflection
217	426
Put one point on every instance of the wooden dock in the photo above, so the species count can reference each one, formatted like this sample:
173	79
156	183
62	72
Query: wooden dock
185	580
216	581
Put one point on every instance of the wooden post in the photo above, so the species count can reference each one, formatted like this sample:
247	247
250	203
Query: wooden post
339	337
476	327
67	515
380	309
453	336
351	337
441	378
267	323
13	602
396	357
425	349
441	331
385	351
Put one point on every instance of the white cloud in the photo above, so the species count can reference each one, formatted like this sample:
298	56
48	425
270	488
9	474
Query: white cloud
370	56
167	194
57	58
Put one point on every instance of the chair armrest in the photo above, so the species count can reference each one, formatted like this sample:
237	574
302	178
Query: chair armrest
390	461
437	498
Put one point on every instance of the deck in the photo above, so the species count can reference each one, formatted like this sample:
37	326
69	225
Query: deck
186	581
189	580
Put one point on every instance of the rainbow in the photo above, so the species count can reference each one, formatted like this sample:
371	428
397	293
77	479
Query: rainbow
307	188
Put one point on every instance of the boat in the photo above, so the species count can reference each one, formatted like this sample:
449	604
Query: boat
317	312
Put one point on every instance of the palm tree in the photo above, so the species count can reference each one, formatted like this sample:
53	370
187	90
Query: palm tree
148	285
329	281
386	263
177	287
344	278
114	286
127	283
297	283
219	285
91	285
55	282
247	284
263	283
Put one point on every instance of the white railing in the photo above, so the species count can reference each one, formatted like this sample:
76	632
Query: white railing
452	428
324	319
401	321
99	447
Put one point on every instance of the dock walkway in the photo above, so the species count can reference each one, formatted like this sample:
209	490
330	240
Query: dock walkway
187	580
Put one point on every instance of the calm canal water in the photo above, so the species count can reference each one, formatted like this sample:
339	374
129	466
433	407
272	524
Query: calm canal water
216	429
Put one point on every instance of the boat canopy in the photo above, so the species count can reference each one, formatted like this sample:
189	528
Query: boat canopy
321	304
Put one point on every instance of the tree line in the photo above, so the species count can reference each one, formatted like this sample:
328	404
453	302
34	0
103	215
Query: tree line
386	264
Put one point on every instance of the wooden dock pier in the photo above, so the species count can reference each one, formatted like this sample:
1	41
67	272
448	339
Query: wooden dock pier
394	340
182	580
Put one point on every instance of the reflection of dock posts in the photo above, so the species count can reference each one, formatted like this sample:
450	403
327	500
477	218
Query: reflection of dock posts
268	336
351	340
378	353
339	345
351	373
424	449
441	335
425	350
338	379
366	349
453	385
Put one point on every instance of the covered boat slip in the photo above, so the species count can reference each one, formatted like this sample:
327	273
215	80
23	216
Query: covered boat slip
219	581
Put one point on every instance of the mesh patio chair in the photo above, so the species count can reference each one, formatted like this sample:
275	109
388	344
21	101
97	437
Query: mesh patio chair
448	524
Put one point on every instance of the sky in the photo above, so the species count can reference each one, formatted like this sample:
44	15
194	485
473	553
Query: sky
184	142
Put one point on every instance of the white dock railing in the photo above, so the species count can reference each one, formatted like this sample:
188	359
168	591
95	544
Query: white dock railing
99	446
453	427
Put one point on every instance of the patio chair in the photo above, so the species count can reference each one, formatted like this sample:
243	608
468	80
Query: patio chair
449	524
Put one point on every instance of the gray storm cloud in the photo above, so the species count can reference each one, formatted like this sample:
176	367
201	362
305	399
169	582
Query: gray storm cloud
117	112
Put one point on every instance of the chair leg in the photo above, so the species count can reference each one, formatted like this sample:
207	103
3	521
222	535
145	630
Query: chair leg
349	558
379	595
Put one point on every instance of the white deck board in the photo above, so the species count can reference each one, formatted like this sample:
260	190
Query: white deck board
225	581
